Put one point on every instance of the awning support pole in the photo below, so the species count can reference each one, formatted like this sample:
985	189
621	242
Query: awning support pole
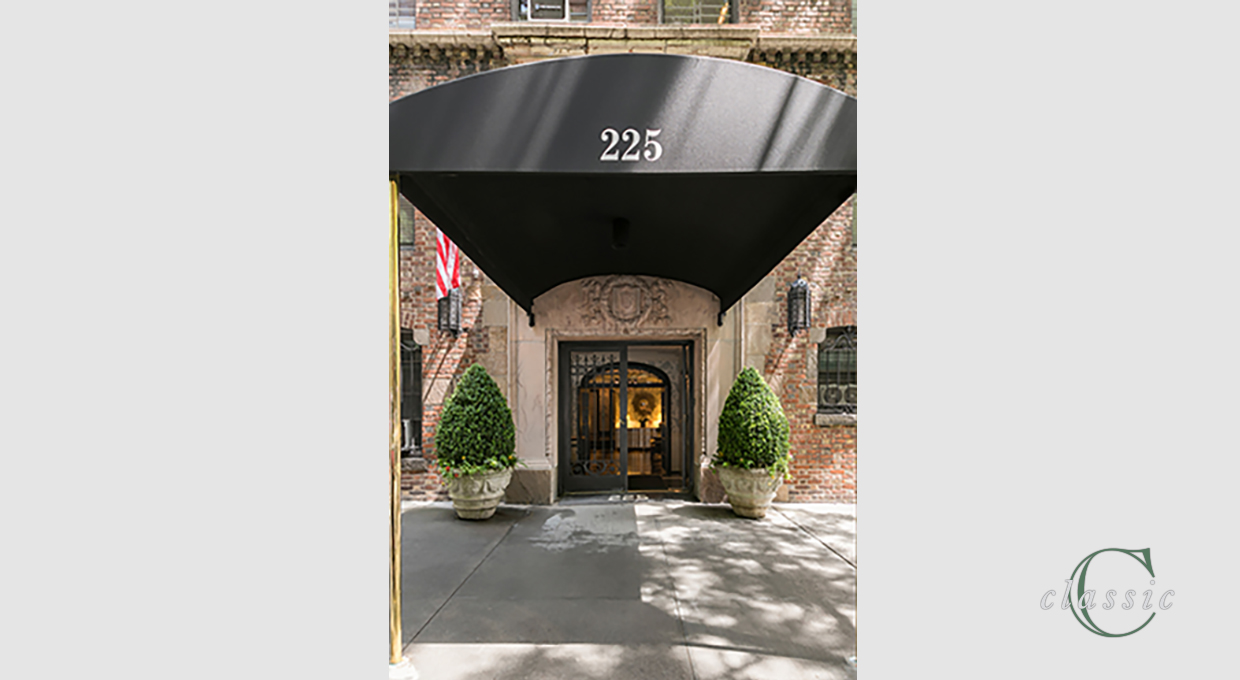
398	665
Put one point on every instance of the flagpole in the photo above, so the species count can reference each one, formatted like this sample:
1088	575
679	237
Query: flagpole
398	665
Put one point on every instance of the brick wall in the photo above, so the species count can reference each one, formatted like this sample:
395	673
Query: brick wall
798	17
824	465
625	12
461	14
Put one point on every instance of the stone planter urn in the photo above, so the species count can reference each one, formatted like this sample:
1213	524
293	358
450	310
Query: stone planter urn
753	456
750	492
477	496
474	443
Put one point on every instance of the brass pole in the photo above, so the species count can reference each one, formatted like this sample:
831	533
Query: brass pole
394	631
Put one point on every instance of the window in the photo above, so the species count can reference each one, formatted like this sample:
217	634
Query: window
400	14
697	12
854	222
410	395
404	221
837	371
551	10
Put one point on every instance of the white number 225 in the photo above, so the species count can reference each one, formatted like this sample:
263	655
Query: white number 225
653	150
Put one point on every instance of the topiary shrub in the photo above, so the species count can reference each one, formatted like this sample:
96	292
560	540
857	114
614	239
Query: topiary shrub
475	432
753	430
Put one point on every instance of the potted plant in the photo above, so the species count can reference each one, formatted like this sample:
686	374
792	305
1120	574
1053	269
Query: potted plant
752	458
474	444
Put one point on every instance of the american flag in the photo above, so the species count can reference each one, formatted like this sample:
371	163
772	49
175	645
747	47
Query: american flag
448	266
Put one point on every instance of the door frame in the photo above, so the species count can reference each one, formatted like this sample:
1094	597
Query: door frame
566	392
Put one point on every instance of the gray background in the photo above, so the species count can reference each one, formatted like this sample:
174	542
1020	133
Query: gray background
1046	291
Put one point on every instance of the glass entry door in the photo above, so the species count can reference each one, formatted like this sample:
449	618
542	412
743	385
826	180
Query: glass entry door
624	416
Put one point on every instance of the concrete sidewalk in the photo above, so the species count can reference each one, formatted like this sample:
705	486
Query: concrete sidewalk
640	589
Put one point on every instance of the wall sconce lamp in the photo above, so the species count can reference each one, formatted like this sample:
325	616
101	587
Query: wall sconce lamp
450	312
799	312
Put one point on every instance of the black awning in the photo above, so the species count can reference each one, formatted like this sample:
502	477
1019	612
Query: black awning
706	171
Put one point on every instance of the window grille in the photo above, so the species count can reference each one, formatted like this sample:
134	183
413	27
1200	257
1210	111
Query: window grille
410	395
697	11
401	14
837	371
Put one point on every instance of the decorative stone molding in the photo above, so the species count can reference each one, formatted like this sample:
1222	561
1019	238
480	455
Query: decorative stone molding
625	301
529	42
524	41
835	419
805	44
441	39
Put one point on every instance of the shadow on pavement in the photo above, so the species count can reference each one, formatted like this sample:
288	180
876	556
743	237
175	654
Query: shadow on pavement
633	590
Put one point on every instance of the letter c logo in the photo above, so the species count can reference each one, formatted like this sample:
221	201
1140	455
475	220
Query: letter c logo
1141	556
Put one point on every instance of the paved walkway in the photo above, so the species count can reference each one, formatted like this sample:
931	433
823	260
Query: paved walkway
640	589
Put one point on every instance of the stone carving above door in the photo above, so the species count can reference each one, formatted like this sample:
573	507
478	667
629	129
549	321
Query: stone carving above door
625	305
626	301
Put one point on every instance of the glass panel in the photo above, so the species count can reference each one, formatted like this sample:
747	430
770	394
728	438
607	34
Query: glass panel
400	14
644	420
404	221
410	394
594	442
658	373
837	361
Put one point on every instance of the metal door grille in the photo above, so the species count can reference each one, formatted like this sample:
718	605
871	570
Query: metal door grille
622	423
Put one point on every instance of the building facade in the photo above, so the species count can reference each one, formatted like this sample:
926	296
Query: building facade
664	339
